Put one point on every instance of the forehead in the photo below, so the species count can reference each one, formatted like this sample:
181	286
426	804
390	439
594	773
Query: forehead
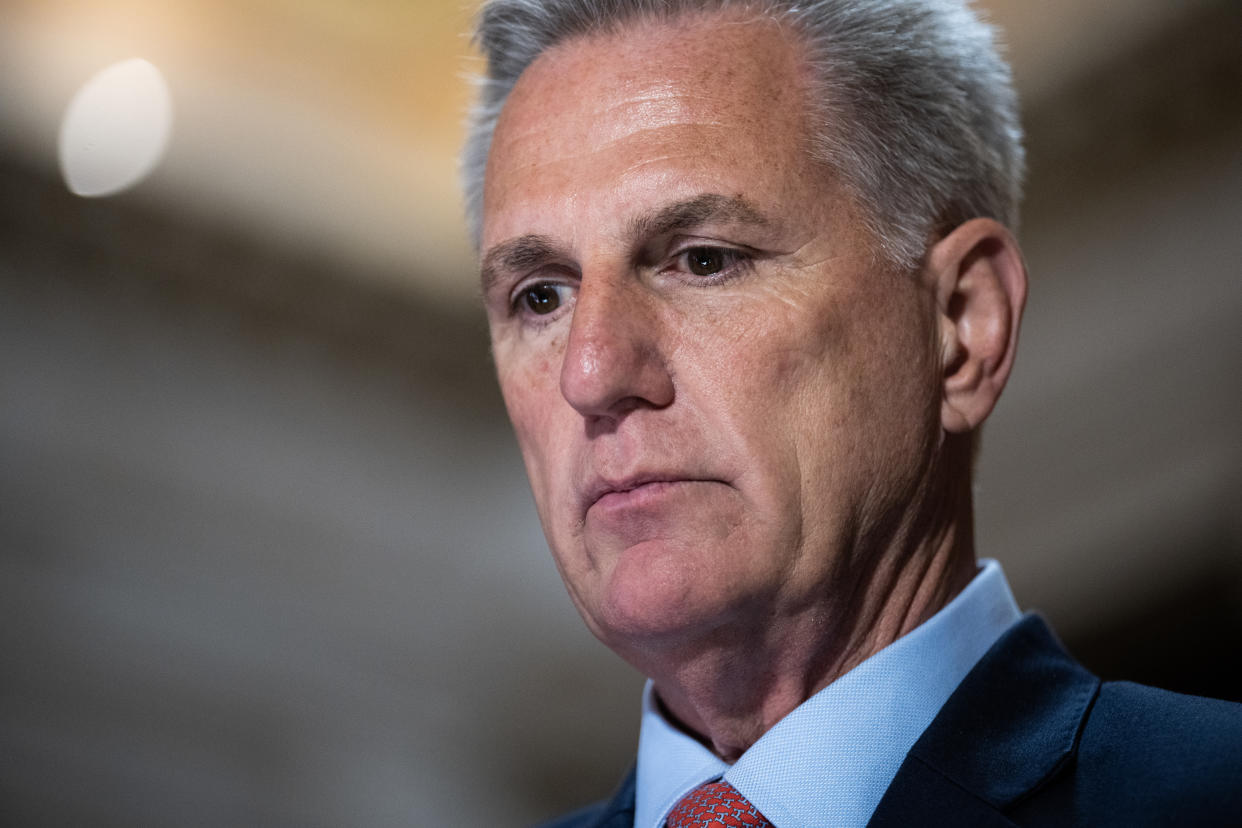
685	103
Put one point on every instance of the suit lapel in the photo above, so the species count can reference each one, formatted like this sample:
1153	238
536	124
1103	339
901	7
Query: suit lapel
1007	730
922	796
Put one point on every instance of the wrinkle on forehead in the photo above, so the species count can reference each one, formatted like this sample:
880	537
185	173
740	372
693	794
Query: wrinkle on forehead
614	121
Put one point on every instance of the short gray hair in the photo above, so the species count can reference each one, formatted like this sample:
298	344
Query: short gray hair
914	109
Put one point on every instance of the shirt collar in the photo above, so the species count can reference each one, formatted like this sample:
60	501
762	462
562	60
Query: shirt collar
830	760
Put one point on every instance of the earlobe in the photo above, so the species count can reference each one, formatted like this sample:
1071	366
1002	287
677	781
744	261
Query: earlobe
979	280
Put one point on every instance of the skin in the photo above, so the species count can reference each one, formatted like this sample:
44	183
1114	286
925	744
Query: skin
747	437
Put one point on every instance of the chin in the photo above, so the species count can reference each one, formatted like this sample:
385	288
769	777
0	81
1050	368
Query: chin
656	592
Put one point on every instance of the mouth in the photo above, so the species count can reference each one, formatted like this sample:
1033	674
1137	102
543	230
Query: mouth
635	490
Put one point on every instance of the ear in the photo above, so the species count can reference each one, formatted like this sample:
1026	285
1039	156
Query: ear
979	280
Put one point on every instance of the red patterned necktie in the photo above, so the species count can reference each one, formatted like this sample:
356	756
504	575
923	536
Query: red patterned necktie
715	805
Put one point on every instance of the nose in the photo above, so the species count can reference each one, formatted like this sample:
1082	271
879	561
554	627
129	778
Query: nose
614	361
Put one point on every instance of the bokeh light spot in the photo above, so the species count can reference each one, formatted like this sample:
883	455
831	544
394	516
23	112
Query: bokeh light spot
116	129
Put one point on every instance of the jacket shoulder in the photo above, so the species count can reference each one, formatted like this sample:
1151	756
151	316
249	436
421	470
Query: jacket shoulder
1151	752
1031	738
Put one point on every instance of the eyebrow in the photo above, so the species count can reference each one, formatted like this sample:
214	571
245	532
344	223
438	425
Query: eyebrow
702	209
529	251
522	253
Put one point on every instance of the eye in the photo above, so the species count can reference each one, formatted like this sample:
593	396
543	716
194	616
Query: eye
710	261
541	298
704	261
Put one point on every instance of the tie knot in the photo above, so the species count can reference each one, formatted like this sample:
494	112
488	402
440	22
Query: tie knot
715	805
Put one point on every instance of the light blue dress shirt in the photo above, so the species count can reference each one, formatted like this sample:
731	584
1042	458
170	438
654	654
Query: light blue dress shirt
829	761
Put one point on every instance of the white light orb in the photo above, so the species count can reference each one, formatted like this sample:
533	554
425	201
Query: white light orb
115	129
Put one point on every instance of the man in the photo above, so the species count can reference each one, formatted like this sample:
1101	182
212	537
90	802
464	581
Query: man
751	295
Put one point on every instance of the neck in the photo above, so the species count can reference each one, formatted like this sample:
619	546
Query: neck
728	691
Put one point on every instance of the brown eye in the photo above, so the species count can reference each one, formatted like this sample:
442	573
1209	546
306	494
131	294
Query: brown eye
705	261
542	299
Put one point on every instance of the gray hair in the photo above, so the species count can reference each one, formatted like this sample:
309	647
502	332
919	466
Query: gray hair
914	109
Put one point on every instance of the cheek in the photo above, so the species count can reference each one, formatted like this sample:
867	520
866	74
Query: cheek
876	399
784	365
760	388
531	391
836	388
528	372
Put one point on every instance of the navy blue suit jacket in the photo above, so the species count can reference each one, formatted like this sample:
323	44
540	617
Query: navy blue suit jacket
1030	738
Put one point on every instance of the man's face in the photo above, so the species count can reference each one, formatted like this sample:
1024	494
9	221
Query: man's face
721	394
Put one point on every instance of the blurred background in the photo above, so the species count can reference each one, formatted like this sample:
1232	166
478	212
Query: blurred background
267	553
